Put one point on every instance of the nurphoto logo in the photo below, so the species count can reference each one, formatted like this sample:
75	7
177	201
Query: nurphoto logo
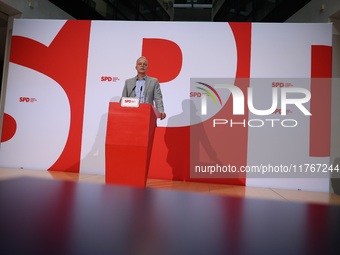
262	99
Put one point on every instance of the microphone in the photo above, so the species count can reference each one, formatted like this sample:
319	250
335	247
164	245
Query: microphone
132	90
140	94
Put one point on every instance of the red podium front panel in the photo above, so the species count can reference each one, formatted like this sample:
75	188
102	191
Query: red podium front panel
129	138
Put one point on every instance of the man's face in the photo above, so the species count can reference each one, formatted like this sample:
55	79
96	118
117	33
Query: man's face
142	66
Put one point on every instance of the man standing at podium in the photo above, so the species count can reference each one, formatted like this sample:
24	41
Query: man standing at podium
146	88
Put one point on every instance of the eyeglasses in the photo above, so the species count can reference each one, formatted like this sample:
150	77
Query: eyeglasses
142	64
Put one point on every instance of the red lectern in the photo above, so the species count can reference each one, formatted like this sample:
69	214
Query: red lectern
129	138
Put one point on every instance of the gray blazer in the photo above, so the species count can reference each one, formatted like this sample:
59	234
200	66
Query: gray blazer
152	92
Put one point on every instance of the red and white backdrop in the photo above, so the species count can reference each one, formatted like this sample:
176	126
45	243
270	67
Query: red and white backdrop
63	74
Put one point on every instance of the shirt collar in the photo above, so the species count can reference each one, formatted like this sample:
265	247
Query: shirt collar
144	78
